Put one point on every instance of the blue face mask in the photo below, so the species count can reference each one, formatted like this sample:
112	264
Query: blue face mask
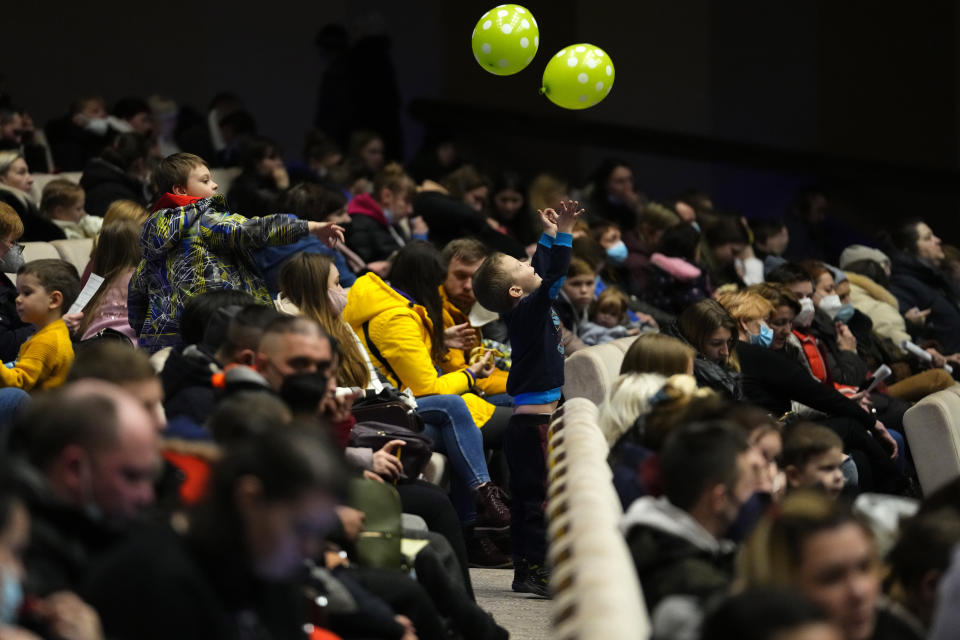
764	338
844	313
388	214
618	252
11	597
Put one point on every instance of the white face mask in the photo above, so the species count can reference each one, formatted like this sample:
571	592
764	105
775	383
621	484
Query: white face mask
830	305
338	299
98	126
807	311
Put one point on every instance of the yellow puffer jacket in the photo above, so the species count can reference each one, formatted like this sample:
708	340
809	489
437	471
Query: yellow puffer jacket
401	332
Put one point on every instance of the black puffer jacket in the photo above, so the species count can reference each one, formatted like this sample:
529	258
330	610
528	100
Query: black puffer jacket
917	283
105	183
708	373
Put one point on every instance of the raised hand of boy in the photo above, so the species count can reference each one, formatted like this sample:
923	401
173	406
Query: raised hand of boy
548	218
569	212
330	233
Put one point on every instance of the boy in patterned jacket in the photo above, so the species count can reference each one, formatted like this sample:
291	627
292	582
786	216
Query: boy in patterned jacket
191	244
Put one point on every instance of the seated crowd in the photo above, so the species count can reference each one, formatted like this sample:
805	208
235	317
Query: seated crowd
233	434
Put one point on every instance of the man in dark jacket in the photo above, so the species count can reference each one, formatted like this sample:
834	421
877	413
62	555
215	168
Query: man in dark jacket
89	459
676	541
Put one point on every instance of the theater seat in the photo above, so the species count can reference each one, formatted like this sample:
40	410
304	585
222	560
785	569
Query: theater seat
933	432
76	252
590	372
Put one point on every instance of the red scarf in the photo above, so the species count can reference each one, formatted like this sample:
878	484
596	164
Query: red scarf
174	201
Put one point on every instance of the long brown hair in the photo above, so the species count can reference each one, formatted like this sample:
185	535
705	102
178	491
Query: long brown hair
304	281
117	252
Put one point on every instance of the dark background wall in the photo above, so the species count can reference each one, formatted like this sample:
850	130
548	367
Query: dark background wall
861	97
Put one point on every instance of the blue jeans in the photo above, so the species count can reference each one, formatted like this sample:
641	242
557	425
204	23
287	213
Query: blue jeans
448	422
12	401
500	400
904	460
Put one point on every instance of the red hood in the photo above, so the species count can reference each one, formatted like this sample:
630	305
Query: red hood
365	205
173	201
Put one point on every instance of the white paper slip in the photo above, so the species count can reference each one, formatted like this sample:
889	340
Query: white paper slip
92	286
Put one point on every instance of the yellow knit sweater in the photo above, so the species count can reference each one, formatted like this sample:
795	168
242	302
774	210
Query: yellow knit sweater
43	361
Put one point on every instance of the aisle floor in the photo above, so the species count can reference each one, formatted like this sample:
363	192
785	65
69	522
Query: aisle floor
524	616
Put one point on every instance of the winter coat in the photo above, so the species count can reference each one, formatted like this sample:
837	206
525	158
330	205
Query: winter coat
571	318
845	367
880	306
13	331
269	260
254	195
592	333
191	246
673	284
370	234
917	283
105	183
35	228
638	257
681	566
397	333
449	219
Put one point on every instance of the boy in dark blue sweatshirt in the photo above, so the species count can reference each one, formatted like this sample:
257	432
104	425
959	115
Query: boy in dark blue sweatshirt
523	294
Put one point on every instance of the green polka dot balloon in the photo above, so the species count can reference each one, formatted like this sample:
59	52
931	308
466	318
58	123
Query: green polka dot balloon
578	77
506	39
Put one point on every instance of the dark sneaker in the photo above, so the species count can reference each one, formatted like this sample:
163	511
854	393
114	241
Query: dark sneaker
519	575
537	581
483	553
493	514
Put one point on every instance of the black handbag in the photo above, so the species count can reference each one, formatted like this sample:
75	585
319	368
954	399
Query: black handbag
387	407
414	455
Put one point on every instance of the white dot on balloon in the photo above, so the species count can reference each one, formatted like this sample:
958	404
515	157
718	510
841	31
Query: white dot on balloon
487	25
525	24
504	63
524	42
520	10
599	86
529	60
506	28
572	61
609	70
598	53
536	41
503	13
485	47
581	49
592	63
583	98
562	53
583	78
534	21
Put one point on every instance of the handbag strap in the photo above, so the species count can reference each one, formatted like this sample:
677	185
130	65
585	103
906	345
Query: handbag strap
376	353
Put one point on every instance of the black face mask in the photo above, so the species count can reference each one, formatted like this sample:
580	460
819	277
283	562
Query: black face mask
303	392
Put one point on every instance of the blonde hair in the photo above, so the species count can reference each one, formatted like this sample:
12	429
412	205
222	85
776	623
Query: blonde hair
7	158
746	306
393	178
628	398
303	280
125	210
580	267
671	405
116	254
545	191
611	300
774	552
658	217
657	353
59	193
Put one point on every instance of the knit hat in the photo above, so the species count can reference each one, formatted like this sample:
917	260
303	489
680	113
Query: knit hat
857	252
